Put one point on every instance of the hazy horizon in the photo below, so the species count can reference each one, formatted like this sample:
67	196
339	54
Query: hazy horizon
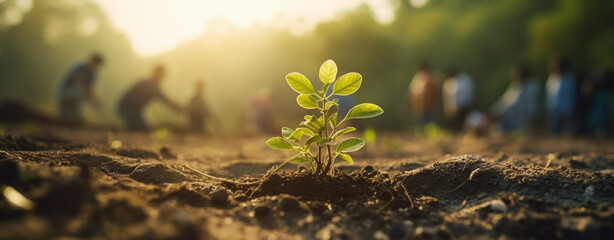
172	23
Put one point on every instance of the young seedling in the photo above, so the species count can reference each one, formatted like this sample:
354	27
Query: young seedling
317	139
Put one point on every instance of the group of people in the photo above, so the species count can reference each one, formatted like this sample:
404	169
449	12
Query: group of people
77	87
579	107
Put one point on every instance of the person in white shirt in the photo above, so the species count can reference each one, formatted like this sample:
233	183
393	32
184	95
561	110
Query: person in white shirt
457	98
517	107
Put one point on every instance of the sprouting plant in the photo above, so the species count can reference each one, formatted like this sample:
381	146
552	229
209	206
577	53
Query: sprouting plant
316	140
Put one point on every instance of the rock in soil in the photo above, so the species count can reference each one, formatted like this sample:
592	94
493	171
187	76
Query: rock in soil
219	197
156	173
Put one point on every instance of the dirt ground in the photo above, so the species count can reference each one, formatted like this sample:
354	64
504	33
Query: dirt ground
104	184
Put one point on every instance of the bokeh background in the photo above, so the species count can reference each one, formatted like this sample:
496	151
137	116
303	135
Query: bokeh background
241	46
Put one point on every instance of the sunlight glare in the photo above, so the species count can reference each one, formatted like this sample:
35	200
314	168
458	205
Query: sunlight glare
418	3
164	24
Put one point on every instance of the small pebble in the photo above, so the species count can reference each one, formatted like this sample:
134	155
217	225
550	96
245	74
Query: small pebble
589	192
289	204
219	197
368	169
498	206
379	235
262	212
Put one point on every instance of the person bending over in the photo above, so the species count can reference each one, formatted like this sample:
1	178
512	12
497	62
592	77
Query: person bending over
78	87
139	95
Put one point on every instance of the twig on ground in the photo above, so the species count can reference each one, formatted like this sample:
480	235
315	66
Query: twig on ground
411	202
471	176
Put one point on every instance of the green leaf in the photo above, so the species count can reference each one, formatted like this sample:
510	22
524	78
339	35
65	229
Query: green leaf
347	84
325	88
346	157
332	120
325	142
342	132
365	110
350	145
306	101
299	158
299	83
279	143
286	132
306	131
314	139
330	104
296	135
320	123
328	71
309	125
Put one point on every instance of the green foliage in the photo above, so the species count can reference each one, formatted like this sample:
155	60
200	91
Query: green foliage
347	84
279	143
317	136
350	145
365	110
300	83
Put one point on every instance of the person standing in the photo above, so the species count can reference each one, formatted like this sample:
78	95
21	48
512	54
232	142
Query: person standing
424	94
139	95
600	117
198	109
262	106
517	107
457	98
560	95
76	88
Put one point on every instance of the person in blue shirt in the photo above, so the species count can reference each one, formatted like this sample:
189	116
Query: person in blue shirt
517	107
560	95
600	115
76	88
139	95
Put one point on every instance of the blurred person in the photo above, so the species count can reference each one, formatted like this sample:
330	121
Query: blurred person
516	108
424	91
198	110
560	95
600	117
139	95
457	98
262	104
584	102
78	87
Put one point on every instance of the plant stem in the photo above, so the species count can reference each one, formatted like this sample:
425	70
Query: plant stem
330	157
319	161
329	162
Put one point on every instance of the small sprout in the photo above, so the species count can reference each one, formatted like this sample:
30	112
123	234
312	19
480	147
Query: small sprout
316	140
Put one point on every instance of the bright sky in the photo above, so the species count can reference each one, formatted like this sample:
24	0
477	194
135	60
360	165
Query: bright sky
156	26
